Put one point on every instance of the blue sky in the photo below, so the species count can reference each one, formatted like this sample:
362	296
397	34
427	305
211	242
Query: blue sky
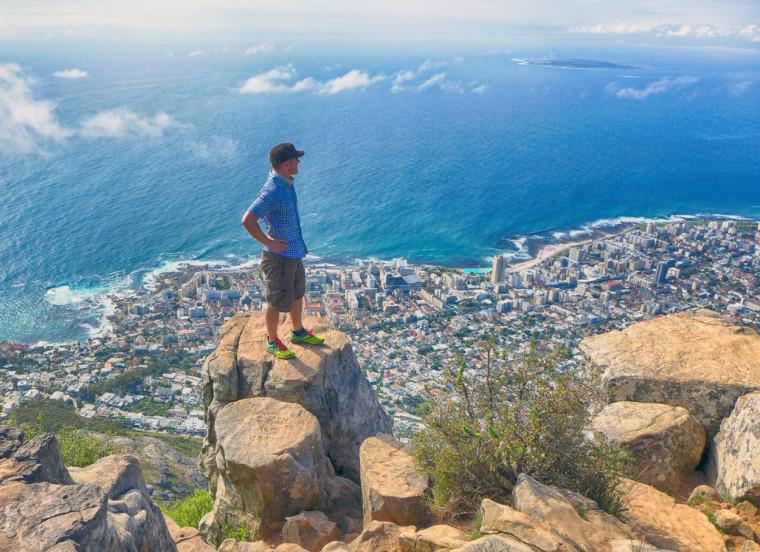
736	22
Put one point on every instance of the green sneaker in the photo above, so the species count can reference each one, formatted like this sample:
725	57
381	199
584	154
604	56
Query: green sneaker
308	338
279	349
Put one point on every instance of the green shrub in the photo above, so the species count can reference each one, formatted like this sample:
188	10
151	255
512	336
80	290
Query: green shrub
242	532
78	447
189	511
524	416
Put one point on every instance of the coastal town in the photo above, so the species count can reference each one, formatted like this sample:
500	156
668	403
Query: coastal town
407	322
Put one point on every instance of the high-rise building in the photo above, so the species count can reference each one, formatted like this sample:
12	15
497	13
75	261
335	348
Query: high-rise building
498	269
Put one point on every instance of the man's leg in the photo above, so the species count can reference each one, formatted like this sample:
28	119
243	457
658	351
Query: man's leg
272	317
296	313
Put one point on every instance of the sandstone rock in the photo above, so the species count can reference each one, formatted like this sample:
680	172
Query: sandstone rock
121	479
665	441
11	439
663	523
107	512
498	518
344	504
37	516
335	547
733	524
703	493
697	360
392	487
378	536
557	512
187	539
734	461
289	547
432	539
36	461
747	510
270	463
634	546
327	381
234	545
311	530
494	543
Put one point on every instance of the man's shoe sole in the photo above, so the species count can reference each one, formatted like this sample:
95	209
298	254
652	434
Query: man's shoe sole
281	355
308	340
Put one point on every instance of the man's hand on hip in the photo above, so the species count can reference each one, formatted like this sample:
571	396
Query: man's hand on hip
277	245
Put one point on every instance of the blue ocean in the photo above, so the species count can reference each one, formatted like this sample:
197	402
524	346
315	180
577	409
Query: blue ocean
445	155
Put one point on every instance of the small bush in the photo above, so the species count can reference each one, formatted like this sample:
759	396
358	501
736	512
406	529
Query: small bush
189	511
78	447
242	532
525	416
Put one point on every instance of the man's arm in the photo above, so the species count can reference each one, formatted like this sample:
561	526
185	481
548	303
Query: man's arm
251	223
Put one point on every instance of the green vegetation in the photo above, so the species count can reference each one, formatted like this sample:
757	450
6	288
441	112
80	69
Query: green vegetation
189	511
52	416
242	532
517	417
78	447
149	407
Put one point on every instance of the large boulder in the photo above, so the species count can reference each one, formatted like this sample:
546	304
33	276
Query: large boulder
657	518
271	465
495	543
734	460
327	381
500	519
131	511
378	536
392	486
697	360
102	508
665	441
187	539
311	530
577	520
437	538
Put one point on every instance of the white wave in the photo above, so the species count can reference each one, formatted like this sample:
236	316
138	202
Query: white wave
66	295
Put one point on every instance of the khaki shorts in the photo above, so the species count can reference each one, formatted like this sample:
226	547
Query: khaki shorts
286	280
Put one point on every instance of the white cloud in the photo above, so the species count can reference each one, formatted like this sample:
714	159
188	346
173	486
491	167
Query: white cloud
119	123
273	80
402	80
196	53
25	123
479	89
267	46
71	74
700	30
658	87
740	87
355	79
218	148
278	79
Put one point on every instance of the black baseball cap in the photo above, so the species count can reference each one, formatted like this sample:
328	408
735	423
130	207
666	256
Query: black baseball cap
282	152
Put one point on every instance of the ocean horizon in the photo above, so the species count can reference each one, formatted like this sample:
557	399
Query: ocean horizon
442	156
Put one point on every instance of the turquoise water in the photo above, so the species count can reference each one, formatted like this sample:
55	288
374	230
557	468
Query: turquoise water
443	175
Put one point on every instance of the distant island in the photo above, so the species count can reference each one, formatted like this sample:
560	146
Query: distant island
572	63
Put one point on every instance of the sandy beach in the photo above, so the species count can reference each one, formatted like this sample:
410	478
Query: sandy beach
545	252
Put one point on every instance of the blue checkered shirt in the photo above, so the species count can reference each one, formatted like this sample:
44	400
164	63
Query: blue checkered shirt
277	204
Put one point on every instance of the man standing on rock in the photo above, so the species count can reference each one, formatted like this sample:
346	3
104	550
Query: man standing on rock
284	249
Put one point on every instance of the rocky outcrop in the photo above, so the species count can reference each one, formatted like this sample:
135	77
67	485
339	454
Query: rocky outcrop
379	536
102	508
665	524
577	520
696	360
433	539
500	519
311	530
392	487
734	460
664	441
327	381
187	539
271	465
278	431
